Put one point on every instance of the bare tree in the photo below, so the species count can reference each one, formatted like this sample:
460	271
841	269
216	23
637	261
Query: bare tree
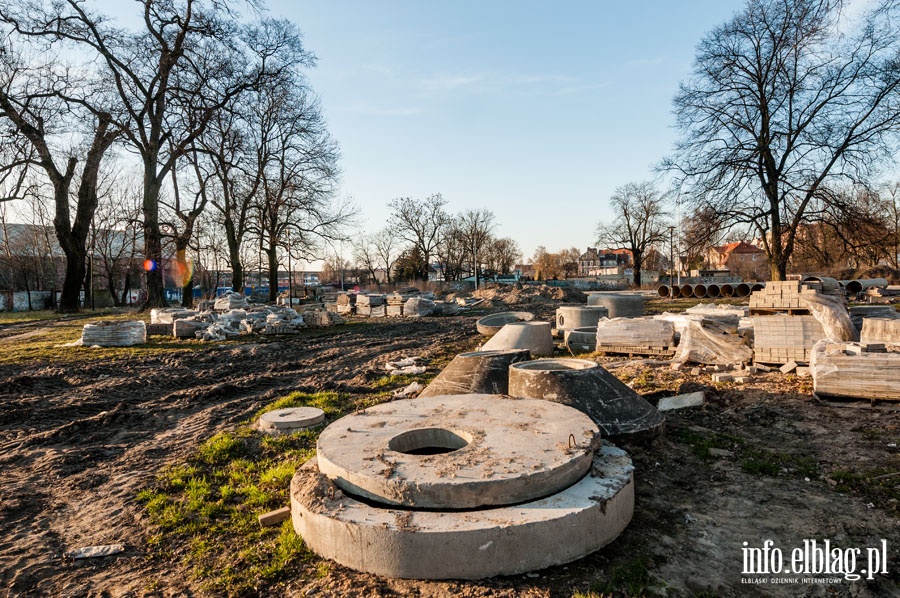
35	100
640	222
115	237
699	231
785	98
453	251
476	227
420	222
502	255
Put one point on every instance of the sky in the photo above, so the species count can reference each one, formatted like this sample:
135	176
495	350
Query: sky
536	111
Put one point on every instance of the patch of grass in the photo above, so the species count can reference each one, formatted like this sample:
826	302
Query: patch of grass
765	462
880	485
701	443
630	579
209	504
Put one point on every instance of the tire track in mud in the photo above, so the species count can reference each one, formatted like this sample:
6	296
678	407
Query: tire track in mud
76	444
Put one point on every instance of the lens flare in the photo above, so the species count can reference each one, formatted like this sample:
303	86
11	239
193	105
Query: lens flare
149	265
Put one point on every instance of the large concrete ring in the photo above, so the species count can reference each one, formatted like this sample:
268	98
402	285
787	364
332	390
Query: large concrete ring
459	451
509	540
491	324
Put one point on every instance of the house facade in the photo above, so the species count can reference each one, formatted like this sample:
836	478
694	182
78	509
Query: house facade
740	258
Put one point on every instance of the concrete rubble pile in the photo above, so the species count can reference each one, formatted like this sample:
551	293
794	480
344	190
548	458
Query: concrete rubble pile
114	334
855	370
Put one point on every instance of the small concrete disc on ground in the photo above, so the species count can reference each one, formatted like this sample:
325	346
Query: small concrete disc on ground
458	451
491	324
290	419
508	540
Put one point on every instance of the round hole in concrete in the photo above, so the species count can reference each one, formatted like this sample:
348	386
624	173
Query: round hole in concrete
428	441
561	321
556	364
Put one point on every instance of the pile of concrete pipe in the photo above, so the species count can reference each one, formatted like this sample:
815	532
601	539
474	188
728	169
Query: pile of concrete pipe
860	285
709	290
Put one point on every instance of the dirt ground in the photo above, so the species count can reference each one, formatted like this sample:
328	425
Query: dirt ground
760	461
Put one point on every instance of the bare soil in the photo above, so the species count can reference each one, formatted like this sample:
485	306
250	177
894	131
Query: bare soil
77	442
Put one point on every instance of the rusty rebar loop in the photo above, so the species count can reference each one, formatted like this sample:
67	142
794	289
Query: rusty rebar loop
572	442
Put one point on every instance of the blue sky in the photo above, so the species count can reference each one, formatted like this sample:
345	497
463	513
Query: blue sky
534	110
537	111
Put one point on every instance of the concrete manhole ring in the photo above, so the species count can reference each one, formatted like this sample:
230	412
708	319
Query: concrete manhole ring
394	542
290	419
458	452
491	324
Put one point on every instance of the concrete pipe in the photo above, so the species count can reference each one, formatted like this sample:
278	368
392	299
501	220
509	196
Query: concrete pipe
757	286
581	340
569	317
534	336
726	290
826	283
476	372
491	324
619	305
675	291
664	290
618	410
742	290
859	285
699	291
713	291
686	291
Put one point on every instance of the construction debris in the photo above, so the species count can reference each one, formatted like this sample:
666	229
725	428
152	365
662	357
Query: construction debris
693	399
95	551
416	307
230	301
114	334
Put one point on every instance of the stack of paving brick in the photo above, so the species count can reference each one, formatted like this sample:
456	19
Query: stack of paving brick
395	303
782	338
114	334
371	305
855	370
880	330
787	295
646	336
317	318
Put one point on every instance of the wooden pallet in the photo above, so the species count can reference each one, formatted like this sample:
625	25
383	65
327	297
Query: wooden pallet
791	311
632	351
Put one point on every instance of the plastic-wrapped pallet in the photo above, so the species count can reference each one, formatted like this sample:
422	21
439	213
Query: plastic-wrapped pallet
880	330
847	370
781	338
369	300
114	334
169	315
187	328
711	342
416	307
446	308
230	301
636	333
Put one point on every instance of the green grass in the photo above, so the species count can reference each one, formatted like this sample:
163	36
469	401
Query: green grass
771	463
880	485
209	504
630	579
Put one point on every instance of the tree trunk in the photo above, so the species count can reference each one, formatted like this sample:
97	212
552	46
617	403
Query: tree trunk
638	258
153	265
272	255
75	273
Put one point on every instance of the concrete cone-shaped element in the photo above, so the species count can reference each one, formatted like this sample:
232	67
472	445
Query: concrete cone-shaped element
534	336
474	544
491	324
619	305
458	451
570	317
477	372
619	411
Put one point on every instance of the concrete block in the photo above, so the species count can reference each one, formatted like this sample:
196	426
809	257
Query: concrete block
693	399
274	517
720	377
788	367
